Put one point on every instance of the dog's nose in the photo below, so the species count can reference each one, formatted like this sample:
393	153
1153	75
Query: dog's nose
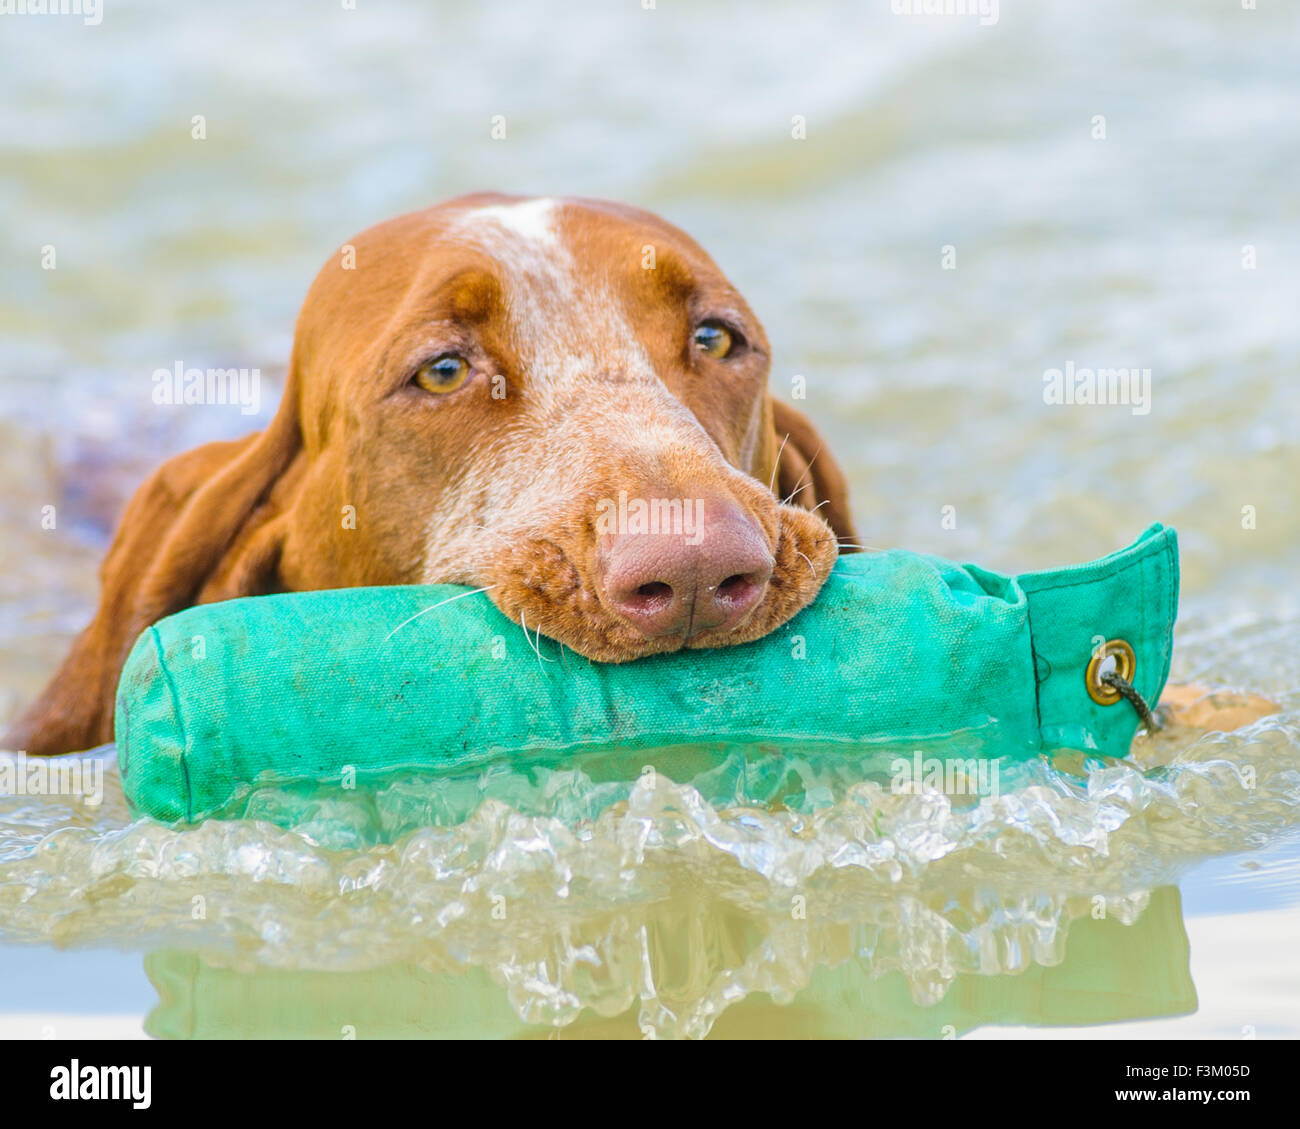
707	571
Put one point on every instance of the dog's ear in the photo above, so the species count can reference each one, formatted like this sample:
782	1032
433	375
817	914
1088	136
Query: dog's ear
806	474
199	529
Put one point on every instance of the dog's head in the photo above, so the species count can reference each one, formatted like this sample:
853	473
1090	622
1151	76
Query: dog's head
564	402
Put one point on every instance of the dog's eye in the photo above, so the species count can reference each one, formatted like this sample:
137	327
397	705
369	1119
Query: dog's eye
713	339
443	374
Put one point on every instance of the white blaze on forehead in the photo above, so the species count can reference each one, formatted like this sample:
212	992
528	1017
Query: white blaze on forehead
522	237
531	219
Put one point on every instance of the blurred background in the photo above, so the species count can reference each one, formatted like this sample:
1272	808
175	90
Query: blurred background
1115	183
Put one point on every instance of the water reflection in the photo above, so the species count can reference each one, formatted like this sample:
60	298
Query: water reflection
1109	972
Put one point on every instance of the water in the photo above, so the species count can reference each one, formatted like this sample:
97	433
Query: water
1163	898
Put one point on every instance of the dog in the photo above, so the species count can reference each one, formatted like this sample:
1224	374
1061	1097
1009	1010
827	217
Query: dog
563	402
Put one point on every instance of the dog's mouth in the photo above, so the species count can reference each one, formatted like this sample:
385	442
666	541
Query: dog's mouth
618	600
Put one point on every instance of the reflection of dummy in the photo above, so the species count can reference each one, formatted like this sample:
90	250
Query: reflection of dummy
1111	972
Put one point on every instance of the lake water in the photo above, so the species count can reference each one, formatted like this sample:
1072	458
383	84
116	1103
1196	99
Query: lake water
1169	243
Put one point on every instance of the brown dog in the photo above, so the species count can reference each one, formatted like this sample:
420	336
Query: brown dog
561	401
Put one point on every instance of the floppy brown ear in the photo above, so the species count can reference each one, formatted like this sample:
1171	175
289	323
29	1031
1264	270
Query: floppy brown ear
807	474
197	530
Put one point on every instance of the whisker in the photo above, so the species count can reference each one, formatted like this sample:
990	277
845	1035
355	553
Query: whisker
810	565
776	463
851	545
433	607
808	471
537	647
795	492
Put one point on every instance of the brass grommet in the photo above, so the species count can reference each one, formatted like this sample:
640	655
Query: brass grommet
1125	666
